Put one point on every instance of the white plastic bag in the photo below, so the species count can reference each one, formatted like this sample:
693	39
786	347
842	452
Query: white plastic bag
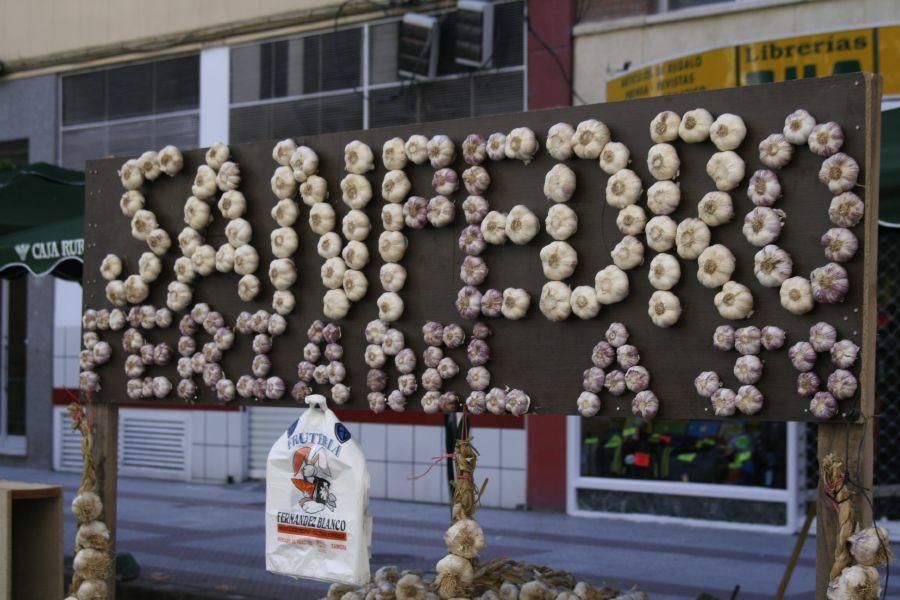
317	498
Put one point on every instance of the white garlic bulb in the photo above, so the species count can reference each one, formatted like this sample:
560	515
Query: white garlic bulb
584	302
559	141
204	260
184	270
284	242
441	211
356	225
283	302
142	223
358	157
555	301
665	271
664	308
631	220
332	272
335	304
249	287
441	151
390	307
839	172
726	169
304	163
283	183
826	138
772	265
515	303
521	225
561	222
558	260
521	144
178	297
217	154
493	227
663	197
170	160
796	295
663	162
392	277
204	186
131	175
355	254
661	233
715	265
159	241
313	190
763	225
716	208
691	238
495	148
356	190
329	245
764	188
416	149
392	246
110	267
664	126
775	151
283	150
246	260
797	127
282	273
559	184
232	204
228	177
239	232
355	285
694	126
131	202
149	267
589	139
115	293
196	213
392	217
623	188
395	186
614	157
611	285
734	301
393	154
224	258
727	131
321	218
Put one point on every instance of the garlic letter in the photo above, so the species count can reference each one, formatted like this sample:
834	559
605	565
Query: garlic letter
839	173
170	160
663	162
416	149
555	301
772	265
392	246
664	272
589	139
797	127
691	238
661	233
775	151
764	188
727	132
559	141
493	227
283	183
111	267
390	307
558	260
694	126
734	301
394	187
584	302
515	303
623	188
335	304
614	157
826	138
321	218
561	222
763	225
313	190
521	144
559	184
631	220
715	266
611	284
358	158
521	225
664	308
726	169
796	295
441	151
716	208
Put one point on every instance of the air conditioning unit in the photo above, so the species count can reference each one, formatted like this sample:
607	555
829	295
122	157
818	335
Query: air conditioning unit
474	32
417	55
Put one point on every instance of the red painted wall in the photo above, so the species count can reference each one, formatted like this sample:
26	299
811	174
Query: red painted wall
549	85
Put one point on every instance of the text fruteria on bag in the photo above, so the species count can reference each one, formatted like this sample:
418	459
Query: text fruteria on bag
317	497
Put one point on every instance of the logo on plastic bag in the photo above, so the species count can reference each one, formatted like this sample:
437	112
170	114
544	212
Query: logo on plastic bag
312	478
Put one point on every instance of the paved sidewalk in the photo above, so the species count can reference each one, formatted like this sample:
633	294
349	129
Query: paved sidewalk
211	537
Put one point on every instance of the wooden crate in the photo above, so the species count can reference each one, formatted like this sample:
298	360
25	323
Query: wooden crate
31	540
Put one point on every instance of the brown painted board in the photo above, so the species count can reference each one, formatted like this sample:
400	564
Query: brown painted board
546	359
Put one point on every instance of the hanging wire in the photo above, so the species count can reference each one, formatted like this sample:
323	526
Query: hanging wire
556	59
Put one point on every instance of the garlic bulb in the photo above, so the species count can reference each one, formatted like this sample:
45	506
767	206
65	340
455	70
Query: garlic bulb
282	273
335	304
493	227
734	301
476	179
694	126
664	308
826	138
611	285
663	162
198	264
332	273
715	265
617	335
232	205
691	238
844	353
170	160
321	218
623	188
284	242
748	369
803	356
614	157
559	141
239	232
471	242
283	183
491	303
149	267
521	225
111	267
358	157
726	169
747	340
517	402
224	259
589	139
313	190
521	144
559	183
588	404
870	547
136	289
707	383
764	188
390	307
796	295
392	246
329	245
637	379
584	303
772	337
603	354
204	186
178	297
763	225
142	223
454	576
468	302
664	126
131	202
283	151
645	405
829	283
558	260
228	177
772	265
665	272
661	232
823	405
840	244
475	208
356	191
355	254
808	384
441	151
775	151
392	217
723	338
561	222
392	277
217	154
515	303
842	384
246	260
727	131
474	149
394	188
797	127
441	211
822	336
355	285
248	287
131	175
416	149
749	400
723	402
716	208
159	241
663	197
555	301
627	254
839	172
478	352
356	225
496	146
196	213
846	210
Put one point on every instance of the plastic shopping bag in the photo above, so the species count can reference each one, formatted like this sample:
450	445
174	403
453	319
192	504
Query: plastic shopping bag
317	498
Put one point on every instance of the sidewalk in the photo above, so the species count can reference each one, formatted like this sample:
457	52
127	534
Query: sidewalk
210	537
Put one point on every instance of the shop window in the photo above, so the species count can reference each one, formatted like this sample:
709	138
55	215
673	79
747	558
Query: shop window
13	312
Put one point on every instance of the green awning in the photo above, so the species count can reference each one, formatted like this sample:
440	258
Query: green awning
41	221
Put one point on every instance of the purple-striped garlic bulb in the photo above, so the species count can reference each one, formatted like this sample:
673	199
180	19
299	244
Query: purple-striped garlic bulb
448	402
723	338
747	340
305	370
842	384
333	351
315	333
475	402
242	324
274	388
844	353
331	333
772	337
415	212
261	366
645	405
162	354
627	356
803	356
474	149
724	402
212	373
475	208
471	241
478	378
637	379
375	331
588	404
161	386
432	356
822	336
432	380
830	283
517	402
396	401
492	303
468	302
405	361
476	180
245	386
225	390
431	402
453	335
616	334
603	354
262	343
748	369
89	382
749	400
336	372
592	380
320	374
807	383
186	389
707	383
407	384
433	333
840	244
495	401
614	382
377	402
146	352
447	368
823	406
300	391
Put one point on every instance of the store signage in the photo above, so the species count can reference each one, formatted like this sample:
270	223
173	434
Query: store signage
51	249
871	49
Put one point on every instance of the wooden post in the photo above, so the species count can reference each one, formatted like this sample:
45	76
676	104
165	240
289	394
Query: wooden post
105	422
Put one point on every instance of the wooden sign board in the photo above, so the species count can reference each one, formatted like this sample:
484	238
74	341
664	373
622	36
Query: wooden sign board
545	359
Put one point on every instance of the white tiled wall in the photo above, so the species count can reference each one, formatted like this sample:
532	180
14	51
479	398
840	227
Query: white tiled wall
66	345
219	445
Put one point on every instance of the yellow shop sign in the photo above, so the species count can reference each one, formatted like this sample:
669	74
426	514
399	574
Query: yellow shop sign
710	70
